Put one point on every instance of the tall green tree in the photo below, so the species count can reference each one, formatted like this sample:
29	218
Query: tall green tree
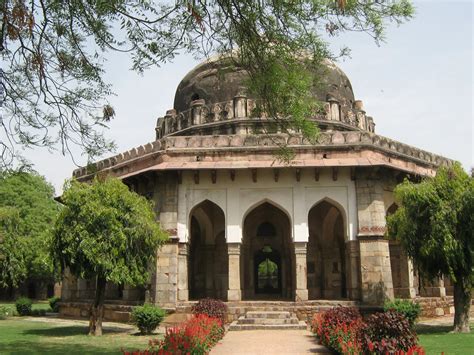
435	225
28	214
12	252
108	233
52	53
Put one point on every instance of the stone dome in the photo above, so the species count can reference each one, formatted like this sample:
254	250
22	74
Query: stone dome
219	80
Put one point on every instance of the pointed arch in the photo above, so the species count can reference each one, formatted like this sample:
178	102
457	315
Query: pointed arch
208	259
261	202
267	240
326	252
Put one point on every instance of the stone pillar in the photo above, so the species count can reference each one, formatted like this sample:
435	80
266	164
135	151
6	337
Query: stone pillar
183	291
301	272
196	109
334	109
434	288
234	293
376	273
240	106
165	280
407	277
353	269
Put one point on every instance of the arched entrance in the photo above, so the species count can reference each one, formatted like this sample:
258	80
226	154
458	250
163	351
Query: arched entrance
326	253
267	254
208	259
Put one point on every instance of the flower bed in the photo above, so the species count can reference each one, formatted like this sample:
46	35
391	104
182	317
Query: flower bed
343	330
195	336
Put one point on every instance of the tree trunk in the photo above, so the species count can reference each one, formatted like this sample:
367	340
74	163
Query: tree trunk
462	305
97	309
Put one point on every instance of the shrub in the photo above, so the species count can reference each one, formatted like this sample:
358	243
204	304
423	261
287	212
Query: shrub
409	309
339	329
6	312
212	308
147	317
386	333
23	306
54	304
195	336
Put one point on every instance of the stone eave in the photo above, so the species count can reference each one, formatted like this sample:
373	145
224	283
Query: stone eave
350	149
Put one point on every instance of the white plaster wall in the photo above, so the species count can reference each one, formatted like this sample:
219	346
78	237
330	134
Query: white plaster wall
237	198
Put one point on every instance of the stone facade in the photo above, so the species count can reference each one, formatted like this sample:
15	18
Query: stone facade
246	227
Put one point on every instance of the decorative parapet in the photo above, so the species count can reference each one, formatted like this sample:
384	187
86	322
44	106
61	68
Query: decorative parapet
242	108
326	140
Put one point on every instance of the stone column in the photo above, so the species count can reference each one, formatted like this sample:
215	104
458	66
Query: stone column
301	272
164	285
407	275
376	273
234	293
165	280
183	291
353	269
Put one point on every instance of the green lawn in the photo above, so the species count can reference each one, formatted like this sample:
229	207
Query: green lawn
21	336
437	339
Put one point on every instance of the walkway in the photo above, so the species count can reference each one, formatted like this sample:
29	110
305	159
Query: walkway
269	342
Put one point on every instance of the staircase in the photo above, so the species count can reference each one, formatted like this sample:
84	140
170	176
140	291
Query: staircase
254	320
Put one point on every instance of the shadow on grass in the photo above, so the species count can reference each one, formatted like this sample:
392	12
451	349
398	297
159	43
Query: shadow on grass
433	329
67	331
425	329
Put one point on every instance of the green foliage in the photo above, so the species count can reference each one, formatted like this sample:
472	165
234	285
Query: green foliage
54	303
23	306
12	249
147	318
408	308
27	214
55	52
6	311
108	231
435	226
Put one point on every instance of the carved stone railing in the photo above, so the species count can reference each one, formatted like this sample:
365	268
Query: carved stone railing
241	107
230	142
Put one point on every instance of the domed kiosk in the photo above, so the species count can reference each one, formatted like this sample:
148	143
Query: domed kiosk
252	230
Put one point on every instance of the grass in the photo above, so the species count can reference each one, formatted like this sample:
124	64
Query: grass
22	336
437	339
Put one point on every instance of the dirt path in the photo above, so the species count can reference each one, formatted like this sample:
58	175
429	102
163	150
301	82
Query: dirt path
269	342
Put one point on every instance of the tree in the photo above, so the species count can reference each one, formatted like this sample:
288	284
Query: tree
12	253
53	52
107	232
435	225
28	213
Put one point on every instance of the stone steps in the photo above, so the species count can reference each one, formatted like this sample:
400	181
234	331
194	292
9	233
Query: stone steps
261	320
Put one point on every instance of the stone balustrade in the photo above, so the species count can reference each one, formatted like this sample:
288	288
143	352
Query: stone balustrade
325	140
241	108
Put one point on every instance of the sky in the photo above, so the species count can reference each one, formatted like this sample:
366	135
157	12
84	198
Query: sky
418	86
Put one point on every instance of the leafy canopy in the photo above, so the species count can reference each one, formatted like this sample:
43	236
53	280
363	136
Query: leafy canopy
105	230
29	212
12	257
435	224
53	54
